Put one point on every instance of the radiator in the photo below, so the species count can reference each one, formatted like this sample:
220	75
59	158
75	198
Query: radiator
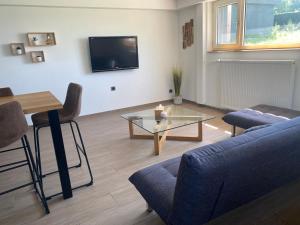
245	83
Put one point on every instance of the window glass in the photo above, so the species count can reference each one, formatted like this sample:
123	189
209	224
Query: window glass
227	24
272	22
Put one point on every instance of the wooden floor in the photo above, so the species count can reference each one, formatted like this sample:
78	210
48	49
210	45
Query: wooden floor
112	200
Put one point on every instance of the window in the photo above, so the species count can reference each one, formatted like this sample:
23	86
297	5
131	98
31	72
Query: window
227	24
256	24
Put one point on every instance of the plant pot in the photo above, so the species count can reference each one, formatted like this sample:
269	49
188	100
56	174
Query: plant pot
177	100
39	58
19	51
35	42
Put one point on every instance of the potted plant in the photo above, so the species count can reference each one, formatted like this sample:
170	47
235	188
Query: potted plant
35	40
177	80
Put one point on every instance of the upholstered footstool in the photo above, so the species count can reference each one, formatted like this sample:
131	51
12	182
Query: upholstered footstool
258	115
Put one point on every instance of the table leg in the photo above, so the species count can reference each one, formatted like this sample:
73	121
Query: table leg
200	133
130	129
60	154
159	141
156	144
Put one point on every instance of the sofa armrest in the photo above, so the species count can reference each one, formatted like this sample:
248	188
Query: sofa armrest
157	185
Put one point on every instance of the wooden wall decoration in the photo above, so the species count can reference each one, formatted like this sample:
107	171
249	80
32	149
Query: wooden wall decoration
188	34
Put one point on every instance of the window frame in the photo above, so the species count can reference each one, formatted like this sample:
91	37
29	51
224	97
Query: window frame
239	38
240	46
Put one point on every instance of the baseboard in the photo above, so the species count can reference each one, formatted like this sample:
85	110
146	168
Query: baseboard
224	110
164	102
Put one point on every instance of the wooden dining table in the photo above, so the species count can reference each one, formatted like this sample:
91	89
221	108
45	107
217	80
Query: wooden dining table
47	102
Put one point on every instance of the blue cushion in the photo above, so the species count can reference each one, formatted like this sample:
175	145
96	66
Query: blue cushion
247	118
157	185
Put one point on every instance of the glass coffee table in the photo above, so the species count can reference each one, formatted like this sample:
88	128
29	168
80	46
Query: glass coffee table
177	116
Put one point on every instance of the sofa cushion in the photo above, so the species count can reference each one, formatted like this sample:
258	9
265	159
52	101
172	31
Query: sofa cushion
157	185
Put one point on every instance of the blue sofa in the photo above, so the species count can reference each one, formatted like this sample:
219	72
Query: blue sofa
208	182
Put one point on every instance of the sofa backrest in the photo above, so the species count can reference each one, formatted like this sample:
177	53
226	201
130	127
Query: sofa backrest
215	179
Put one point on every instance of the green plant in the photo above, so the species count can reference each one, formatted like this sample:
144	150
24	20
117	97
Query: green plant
177	80
275	32
290	27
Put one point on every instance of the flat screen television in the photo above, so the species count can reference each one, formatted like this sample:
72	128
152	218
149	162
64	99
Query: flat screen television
114	53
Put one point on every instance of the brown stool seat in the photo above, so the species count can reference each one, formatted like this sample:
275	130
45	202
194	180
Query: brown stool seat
6	91
41	119
13	124
13	127
70	111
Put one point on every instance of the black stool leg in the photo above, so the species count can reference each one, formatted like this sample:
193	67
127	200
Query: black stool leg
40	192
84	153
24	144
76	144
79	147
35	147
38	151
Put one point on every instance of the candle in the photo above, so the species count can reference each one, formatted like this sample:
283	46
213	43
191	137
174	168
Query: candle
164	114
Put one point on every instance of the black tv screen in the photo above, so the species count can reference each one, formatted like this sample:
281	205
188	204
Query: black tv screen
113	53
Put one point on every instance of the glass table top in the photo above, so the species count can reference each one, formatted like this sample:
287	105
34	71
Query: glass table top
177	116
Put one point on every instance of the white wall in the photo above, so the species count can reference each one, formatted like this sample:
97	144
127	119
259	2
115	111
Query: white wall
213	76
69	61
192	58
187	3
188	56
206	77
125	4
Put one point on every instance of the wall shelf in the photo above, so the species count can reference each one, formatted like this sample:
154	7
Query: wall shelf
17	49
37	56
41	39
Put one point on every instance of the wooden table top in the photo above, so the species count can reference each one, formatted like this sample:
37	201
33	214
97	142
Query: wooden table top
35	102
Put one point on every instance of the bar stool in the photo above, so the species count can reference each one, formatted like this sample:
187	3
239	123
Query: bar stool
6	91
67	115
13	127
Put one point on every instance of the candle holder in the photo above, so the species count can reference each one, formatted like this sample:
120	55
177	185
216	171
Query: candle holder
37	56
157	112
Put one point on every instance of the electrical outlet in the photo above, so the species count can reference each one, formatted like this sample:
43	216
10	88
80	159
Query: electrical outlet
171	91
113	88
